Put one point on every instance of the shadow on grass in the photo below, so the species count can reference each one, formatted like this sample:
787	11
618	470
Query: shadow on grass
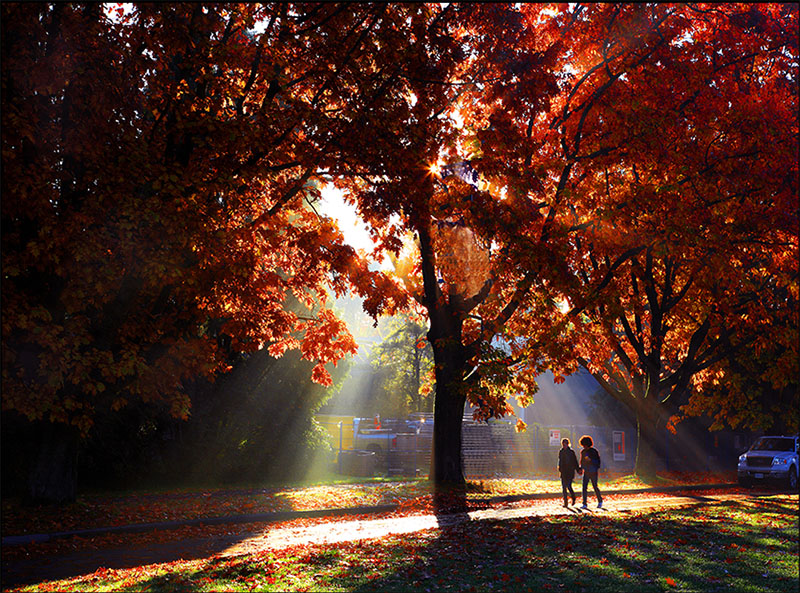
742	545
62	566
51	562
734	546
701	548
450	504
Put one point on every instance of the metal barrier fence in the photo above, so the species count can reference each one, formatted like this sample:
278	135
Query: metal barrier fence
496	449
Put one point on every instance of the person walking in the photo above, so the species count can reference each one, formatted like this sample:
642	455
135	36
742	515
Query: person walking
567	466
590	464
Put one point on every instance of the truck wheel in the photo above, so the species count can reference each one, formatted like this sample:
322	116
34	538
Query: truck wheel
792	479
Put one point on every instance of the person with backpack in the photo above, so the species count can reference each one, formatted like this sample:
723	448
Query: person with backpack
567	466
590	464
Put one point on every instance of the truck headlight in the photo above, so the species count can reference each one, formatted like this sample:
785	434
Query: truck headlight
742	459
779	461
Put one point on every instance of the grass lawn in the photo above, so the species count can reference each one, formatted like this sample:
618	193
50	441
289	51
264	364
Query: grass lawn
749	545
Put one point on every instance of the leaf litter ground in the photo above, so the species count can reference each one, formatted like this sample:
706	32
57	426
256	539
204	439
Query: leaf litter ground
741	545
411	497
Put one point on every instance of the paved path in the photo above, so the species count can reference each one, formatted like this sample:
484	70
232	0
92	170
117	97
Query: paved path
248	541
331	533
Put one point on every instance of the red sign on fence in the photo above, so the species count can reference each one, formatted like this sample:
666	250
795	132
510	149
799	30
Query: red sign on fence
619	445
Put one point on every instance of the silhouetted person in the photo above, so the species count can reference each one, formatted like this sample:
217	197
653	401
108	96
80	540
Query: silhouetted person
590	464
567	466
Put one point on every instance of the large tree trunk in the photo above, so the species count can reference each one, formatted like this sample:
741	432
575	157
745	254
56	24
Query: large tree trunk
650	434
448	412
449	357
448	409
53	474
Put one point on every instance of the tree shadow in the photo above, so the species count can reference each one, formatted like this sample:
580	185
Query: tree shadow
450	504
597	552
40	568
698	548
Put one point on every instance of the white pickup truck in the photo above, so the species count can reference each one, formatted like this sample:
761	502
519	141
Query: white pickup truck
770	458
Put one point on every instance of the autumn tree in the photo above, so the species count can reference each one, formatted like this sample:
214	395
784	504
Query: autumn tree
756	387
665	175
621	194
706	201
425	219
157	170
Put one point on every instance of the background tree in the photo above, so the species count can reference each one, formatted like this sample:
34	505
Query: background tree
755	387
403	363
257	424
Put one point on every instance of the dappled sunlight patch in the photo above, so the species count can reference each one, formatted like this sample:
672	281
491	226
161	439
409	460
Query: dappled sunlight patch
510	486
353	495
148	507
